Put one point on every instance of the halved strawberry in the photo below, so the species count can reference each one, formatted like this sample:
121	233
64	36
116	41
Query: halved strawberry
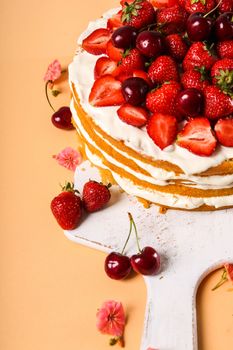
106	91
136	116
96	42
113	52
197	136
115	21
104	66
137	73
162	128
224	132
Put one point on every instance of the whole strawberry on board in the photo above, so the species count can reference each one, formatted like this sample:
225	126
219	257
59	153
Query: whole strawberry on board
95	196
67	207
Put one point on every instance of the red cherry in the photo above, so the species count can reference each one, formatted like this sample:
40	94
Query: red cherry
124	37
199	27
134	90
147	262
117	266
224	26
62	119
150	43
190	102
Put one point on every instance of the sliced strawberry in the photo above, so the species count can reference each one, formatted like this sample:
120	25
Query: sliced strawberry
229	270
197	137
113	52
106	91
104	66
136	116
115	21
162	128
224	132
123	76
96	42
137	73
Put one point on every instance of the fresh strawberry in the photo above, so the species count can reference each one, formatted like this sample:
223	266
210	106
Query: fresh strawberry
198	56
115	21
106	91
105	65
162	100
225	6
138	14
137	73
162	128
222	75
204	6
225	49
163	3
96	42
176	46
113	52
224	131
164	68
67	208
195	78
95	196
182	3
136	116
197	137
172	20
217	104
131	60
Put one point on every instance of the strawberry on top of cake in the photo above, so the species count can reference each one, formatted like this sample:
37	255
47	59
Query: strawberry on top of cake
168	65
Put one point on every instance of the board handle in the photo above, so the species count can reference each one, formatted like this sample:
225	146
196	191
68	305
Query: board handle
170	319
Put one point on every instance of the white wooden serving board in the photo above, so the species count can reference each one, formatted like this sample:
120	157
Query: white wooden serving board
191	245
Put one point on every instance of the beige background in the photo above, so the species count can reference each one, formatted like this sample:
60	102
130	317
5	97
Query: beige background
50	288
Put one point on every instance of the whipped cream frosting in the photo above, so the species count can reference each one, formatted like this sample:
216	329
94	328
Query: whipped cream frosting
82	76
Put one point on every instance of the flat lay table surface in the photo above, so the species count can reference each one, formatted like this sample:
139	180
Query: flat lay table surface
51	287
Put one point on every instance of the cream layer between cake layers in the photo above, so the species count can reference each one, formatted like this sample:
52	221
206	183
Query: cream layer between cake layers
173	177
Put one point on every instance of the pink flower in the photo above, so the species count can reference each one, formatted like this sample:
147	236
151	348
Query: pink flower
152	349
53	71
111	318
229	270
69	158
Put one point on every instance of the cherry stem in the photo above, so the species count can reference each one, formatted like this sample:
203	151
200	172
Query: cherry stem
215	8
127	240
222	280
46	93
135	229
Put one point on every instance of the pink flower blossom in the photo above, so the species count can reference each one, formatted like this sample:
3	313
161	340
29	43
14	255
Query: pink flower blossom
53	71
152	349
111	318
69	158
229	270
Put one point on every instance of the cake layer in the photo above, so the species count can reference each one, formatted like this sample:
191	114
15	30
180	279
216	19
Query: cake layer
175	192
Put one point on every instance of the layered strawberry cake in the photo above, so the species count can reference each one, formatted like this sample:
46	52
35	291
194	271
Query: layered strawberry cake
152	100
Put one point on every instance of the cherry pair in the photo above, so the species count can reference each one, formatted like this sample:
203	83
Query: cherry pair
145	262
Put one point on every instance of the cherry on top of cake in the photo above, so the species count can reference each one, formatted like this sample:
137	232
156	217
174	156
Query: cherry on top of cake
168	64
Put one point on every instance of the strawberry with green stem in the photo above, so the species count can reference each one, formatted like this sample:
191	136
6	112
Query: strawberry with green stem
222	75
139	13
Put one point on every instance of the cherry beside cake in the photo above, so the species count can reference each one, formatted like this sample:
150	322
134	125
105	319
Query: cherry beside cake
152	100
